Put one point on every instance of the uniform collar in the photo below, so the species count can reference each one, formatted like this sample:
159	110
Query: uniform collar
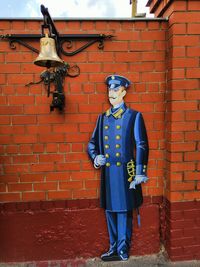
117	114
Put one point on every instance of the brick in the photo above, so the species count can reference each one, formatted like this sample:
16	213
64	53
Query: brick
20	187
33	196
9	68
125	35
191	175
185	62
179	51
90	193
51	138
141	46
175	196
24	159
92	184
59	194
152	35
45	186
74	156
9	110
71	185
58	176
86	175
76	147
192	136
191	156
115	67
19	78
25	139
31	177
39	109
90	67
182	105
177	29
42	167
153	56
193	5
116	46
183	166
68	166
127	56
192	195
193	51
51	158
101	57
193	28
9	197
88	108
179	40
79	137
182	126
193	73
20	119
182	186
2	78
188	17
25	149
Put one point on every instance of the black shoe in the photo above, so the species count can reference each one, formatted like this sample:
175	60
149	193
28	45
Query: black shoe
123	254
111	255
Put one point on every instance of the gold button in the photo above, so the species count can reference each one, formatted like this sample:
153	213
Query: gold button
118	137
106	127
107	164
106	137
107	155
118	127
117	146
107	146
117	154
118	163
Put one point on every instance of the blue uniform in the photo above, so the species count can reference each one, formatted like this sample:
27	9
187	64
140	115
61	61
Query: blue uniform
121	137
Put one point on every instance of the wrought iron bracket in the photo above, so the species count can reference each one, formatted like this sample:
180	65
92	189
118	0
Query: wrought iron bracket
66	41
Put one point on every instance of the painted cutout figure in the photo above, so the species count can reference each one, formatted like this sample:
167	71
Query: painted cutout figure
119	145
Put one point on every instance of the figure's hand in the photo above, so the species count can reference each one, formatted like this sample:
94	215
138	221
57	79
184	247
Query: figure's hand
138	180
100	160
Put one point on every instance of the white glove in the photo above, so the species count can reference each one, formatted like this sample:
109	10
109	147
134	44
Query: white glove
99	161
138	180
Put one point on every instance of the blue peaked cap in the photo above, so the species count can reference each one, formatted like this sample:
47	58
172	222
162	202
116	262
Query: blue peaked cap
116	81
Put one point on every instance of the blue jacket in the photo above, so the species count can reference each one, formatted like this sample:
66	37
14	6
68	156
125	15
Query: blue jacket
120	136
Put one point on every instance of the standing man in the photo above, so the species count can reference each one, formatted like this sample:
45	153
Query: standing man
119	146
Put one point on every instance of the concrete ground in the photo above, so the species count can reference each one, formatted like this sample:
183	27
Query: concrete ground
156	260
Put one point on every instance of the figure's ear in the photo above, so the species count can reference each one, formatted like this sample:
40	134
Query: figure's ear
124	93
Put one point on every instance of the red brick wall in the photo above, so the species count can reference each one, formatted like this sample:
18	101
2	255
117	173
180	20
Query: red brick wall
182	127
46	170
44	154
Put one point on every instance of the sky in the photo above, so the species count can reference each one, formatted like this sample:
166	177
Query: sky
70	8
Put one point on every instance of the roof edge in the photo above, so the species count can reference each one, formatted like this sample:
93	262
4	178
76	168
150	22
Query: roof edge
87	19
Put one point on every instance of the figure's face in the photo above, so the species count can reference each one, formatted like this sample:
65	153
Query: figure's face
116	96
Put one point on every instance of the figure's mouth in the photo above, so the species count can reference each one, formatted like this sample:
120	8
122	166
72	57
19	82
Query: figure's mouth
111	97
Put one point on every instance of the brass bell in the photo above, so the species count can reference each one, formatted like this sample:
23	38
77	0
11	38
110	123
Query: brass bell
48	56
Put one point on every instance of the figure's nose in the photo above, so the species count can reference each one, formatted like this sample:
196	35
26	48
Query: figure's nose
111	92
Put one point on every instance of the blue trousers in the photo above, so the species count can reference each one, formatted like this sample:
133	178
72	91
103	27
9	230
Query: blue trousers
120	229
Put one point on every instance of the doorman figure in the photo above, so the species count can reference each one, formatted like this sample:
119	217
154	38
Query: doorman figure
119	145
